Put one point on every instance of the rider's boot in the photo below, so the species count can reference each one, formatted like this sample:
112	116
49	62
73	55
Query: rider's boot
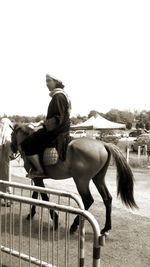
39	172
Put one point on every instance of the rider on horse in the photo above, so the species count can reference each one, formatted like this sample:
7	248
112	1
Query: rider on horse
55	130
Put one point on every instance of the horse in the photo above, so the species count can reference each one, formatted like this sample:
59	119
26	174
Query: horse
5	153
86	159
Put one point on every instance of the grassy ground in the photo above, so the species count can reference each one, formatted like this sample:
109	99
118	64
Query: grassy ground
135	160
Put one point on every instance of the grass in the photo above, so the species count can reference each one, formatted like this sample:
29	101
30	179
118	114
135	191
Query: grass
134	159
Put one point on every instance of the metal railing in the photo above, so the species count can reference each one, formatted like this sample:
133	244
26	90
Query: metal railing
57	196
36	241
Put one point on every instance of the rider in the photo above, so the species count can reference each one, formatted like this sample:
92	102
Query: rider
55	130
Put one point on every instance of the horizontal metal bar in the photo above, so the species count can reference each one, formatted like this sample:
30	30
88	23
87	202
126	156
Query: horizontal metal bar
25	257
61	193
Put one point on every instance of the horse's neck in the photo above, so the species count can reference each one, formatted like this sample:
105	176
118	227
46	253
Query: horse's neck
21	137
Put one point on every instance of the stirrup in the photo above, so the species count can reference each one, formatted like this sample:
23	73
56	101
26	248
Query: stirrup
34	174
38	175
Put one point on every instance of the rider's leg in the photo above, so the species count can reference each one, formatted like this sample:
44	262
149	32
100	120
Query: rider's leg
34	159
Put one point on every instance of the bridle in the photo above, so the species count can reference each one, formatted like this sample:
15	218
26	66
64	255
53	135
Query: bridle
14	143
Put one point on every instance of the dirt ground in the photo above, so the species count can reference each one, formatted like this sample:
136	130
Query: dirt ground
129	241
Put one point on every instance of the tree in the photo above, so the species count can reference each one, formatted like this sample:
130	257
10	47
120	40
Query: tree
39	118
129	125
93	113
140	124
113	115
147	126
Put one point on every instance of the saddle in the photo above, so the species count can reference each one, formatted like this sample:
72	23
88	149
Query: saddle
50	156
56	151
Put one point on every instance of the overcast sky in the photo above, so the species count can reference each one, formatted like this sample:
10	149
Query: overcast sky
99	49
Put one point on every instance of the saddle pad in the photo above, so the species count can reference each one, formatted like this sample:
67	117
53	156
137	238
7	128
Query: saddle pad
50	156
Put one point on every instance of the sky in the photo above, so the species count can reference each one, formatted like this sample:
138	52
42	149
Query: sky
99	49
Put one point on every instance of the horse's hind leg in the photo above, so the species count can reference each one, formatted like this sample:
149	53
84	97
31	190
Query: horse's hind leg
87	199
107	198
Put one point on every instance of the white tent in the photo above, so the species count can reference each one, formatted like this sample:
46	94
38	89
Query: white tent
98	122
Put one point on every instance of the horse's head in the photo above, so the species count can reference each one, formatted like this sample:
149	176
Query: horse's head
20	132
14	143
6	128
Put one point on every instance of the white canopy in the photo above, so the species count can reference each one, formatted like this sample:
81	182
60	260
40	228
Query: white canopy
98	122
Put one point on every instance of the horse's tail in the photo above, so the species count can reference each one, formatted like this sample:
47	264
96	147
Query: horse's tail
125	179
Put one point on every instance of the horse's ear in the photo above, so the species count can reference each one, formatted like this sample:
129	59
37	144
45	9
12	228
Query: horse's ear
16	126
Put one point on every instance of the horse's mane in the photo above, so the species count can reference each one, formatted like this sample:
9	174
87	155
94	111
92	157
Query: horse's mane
24	128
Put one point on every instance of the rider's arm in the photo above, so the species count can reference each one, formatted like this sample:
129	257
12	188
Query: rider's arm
57	112
50	124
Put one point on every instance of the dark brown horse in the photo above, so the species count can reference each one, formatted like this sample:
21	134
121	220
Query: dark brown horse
87	160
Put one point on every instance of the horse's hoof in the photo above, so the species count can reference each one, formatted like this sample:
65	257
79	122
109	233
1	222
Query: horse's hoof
105	232
29	217
73	229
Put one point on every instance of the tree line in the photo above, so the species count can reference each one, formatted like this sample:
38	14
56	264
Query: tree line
130	119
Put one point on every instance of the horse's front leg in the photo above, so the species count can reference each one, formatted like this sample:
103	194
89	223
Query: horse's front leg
44	196
40	183
33	207
54	217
